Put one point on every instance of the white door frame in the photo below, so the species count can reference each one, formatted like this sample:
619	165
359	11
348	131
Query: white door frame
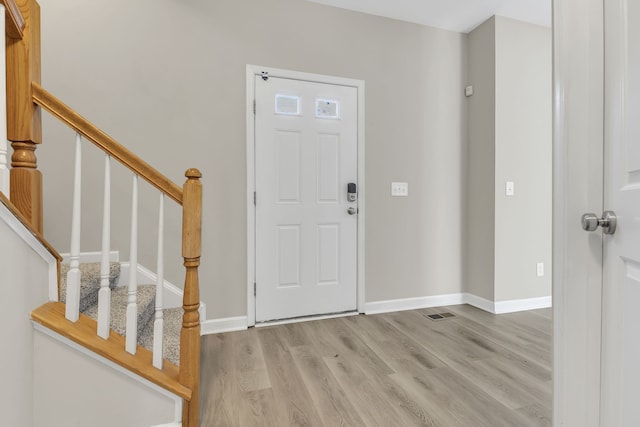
578	140
252	71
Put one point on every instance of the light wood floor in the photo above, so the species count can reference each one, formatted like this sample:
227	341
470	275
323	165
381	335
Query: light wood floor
396	369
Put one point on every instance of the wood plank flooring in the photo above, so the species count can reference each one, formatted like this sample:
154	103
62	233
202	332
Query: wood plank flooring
395	369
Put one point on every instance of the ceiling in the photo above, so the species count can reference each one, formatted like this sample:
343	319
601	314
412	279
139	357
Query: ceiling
455	15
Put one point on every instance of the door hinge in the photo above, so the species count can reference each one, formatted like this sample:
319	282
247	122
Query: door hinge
254	289
254	199
265	75
254	107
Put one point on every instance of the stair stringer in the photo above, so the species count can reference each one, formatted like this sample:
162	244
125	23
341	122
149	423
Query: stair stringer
76	387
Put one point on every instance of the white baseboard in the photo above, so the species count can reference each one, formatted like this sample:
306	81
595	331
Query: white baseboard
498	307
479	302
522	305
227	324
412	303
86	257
239	323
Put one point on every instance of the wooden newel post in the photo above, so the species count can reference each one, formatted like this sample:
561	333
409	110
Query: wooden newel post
24	127
190	333
26	183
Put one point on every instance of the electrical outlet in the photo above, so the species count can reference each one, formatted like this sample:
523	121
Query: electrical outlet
540	269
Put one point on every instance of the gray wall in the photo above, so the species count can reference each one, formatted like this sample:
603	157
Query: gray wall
167	78
523	155
509	140
481	165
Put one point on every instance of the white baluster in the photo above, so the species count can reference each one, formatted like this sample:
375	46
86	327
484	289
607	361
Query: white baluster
104	296
158	324
72	310
4	157
132	297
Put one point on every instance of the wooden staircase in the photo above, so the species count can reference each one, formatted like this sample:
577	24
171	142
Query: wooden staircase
25	101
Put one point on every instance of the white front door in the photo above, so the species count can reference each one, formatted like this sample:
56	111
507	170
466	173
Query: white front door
306	224
621	295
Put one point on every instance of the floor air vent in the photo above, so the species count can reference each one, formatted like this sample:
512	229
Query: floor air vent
440	316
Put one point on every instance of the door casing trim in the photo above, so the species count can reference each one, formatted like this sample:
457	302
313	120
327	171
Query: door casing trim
251	72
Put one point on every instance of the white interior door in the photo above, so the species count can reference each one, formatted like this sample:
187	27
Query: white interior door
305	159
621	295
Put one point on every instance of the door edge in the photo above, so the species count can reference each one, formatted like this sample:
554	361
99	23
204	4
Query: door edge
577	188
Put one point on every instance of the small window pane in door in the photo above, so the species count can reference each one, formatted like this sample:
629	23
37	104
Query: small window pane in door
289	105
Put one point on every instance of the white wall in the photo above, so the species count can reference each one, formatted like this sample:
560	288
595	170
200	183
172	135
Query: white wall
95	395
25	276
167	77
509	140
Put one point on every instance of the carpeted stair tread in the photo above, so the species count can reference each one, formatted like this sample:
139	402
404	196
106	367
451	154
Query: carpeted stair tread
89	282
89	287
171	335
146	307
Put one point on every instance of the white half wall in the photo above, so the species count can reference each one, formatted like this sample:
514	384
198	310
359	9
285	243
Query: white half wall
25	272
75	388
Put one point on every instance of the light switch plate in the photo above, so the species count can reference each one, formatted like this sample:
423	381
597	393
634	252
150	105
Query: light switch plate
468	91
540	269
509	188
399	189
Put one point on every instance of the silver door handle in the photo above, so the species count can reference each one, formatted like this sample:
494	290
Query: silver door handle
608	222
352	211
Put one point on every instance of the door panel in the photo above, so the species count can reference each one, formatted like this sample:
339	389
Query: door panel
288	256
287	168
621	294
328	168
306	154
328	266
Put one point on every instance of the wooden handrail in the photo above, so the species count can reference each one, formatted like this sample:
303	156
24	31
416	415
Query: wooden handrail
15	22
106	143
